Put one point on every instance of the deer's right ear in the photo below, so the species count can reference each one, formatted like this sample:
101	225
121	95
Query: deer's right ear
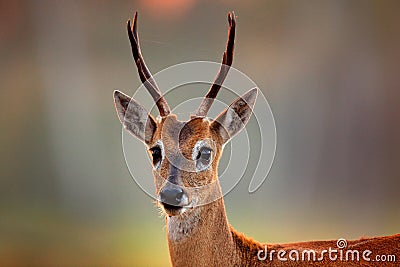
134	117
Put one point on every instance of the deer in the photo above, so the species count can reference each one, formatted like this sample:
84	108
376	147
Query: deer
185	156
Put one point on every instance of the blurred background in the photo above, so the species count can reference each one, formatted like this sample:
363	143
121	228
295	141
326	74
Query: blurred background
329	69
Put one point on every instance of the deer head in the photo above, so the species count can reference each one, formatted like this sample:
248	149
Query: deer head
185	154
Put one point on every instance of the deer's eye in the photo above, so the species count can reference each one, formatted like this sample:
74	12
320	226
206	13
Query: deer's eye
203	158
204	154
156	154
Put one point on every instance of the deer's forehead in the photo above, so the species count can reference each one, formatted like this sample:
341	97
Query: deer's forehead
183	133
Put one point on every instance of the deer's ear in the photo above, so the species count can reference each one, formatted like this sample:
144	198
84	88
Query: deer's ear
233	119
134	117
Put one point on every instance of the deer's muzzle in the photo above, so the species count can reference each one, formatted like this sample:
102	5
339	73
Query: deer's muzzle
173	198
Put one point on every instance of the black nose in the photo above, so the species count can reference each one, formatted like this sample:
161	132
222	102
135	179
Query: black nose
172	195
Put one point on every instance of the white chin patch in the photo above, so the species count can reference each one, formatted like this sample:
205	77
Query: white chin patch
184	224
183	210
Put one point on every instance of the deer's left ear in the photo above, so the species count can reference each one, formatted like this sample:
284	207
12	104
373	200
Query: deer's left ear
233	119
134	117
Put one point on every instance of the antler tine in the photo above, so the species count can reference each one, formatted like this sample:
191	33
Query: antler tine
227	59
144	73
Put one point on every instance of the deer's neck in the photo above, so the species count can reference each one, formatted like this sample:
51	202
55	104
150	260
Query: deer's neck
203	237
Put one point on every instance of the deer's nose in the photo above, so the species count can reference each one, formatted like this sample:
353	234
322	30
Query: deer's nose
173	196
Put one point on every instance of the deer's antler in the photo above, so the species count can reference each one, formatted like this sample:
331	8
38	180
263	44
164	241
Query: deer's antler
227	60
144	73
